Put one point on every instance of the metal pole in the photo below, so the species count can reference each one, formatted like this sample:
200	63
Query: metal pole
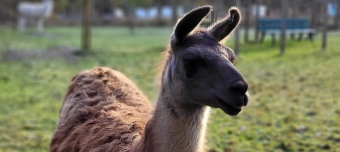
86	33
283	26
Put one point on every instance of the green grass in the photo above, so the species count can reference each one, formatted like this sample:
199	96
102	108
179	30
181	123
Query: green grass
294	98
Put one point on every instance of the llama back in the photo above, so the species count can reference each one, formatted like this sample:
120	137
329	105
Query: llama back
102	111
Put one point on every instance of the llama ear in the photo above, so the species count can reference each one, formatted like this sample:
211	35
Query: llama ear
223	28
190	21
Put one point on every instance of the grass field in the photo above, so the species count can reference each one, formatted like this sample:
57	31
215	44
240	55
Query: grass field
294	98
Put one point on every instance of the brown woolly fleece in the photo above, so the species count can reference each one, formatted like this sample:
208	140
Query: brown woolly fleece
102	111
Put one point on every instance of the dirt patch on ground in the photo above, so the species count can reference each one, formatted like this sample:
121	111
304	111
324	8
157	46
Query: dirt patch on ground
66	53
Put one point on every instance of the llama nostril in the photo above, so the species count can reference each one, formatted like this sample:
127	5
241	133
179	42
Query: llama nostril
239	86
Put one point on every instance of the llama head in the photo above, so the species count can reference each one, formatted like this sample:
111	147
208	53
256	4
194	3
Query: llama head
199	71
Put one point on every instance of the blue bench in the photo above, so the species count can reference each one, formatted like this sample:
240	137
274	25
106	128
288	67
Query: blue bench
294	26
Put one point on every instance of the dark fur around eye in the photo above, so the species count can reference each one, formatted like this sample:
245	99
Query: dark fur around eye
191	67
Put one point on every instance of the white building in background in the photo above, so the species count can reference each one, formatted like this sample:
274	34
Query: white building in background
151	13
262	10
118	13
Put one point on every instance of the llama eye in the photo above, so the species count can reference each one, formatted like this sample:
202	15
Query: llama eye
191	67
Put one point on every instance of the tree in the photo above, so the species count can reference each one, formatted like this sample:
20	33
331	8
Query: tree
142	3
284	12
257	16
86	34
159	11
174	4
337	18
246	17
324	25
237	34
103	6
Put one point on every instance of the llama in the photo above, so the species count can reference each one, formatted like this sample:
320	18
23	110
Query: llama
34	11
104	111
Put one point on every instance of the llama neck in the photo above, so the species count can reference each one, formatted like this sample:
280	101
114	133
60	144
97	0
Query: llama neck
175	128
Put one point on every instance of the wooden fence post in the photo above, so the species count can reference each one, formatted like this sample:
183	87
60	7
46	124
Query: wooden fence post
14	14
324	26
246	21
257	17
237	34
86	31
283	26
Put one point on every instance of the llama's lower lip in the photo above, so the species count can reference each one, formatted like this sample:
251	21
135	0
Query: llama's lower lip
227	108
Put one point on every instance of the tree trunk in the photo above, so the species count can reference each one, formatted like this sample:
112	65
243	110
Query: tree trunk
314	12
174	11
284	12
324	26
237	34
129	17
159	12
246	21
14	14
337	17
187	6
86	34
218	8
257	16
